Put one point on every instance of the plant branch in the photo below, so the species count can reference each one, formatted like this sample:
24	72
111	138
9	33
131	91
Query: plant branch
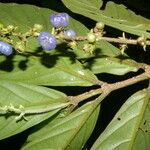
108	88
76	99
105	89
118	85
120	40
123	40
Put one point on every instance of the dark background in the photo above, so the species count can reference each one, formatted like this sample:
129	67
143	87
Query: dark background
115	100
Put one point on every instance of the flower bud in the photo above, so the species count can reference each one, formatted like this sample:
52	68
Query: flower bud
89	48
91	37
72	44
100	25
20	46
70	33
10	28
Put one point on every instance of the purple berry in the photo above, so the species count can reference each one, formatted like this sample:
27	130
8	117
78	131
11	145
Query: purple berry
47	40
70	33
59	20
5	48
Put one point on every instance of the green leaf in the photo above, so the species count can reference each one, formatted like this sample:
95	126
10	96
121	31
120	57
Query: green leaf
31	97
70	132
124	130
43	68
114	15
25	16
112	65
37	67
104	48
53	70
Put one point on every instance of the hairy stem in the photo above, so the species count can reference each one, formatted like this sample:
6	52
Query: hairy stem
123	40
76	99
103	91
122	84
108	87
108	39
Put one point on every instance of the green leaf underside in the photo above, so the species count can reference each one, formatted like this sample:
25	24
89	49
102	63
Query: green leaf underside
62	72
64	133
112	65
124	130
32	98
114	15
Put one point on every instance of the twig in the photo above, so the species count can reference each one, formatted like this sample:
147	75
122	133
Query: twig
76	99
108	39
105	89
118	85
108	88
123	40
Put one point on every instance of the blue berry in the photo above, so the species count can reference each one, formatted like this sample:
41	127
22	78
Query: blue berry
5	48
70	33
47	40
59	20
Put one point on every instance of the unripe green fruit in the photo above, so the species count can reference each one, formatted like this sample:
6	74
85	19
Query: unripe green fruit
91	37
100	25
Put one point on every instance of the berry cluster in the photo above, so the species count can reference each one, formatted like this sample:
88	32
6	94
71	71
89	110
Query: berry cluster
46	40
8	42
59	21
